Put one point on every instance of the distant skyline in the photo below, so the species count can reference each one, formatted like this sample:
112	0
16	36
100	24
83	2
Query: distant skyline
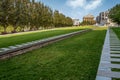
79	8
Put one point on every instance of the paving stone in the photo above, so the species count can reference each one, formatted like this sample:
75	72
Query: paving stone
115	59
115	55
115	52
109	74
114	46
18	45
109	65
29	43
114	43
115	49
5	49
12	47
103	78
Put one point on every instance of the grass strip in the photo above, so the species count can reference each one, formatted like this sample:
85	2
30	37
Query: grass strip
115	62
116	69
115	57
75	58
115	79
19	39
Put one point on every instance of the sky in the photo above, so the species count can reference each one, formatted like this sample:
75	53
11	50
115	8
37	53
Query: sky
76	9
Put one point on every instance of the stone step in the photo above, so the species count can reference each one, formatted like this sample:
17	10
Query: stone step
115	49
114	46
109	65
115	59
115	55
109	74
115	52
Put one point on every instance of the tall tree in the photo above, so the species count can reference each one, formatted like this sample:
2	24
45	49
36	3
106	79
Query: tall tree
114	14
30	14
5	9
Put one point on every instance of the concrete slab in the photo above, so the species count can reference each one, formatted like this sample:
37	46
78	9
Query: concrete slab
109	65
103	78
114	51
115	55
12	47
115	59
109	74
5	49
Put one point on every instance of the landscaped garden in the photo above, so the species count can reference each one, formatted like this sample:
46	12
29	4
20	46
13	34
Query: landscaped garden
75	58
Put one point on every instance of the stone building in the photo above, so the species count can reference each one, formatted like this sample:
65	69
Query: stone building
104	20
89	18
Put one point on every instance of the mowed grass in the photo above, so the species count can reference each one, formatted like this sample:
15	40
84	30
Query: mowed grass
75	58
14	39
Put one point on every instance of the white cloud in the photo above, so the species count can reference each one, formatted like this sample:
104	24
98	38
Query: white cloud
76	3
87	5
93	4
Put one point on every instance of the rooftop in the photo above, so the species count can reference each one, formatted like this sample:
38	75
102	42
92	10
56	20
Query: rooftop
89	15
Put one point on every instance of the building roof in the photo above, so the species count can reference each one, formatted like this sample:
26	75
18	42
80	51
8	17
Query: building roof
89	15
76	19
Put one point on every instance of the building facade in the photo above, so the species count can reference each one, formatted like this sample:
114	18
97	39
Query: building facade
89	18
104	20
76	22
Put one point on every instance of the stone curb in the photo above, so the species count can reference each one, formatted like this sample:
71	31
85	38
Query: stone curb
111	49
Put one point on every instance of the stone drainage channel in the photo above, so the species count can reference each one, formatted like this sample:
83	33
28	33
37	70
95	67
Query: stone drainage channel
110	54
29	46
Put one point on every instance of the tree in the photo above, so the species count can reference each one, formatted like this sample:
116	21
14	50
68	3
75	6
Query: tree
69	21
60	20
5	9
30	14
114	14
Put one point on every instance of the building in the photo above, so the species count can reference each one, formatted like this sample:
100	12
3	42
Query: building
76	22
98	19
89	18
104	20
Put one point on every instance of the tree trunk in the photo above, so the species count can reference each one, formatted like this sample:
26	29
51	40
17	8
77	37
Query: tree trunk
5	27
14	29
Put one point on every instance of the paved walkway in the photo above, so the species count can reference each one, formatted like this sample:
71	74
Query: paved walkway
111	49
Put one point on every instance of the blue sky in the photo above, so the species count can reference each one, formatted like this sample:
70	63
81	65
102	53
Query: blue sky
79	8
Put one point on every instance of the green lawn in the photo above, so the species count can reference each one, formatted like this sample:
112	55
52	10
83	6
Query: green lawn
13	39
75	58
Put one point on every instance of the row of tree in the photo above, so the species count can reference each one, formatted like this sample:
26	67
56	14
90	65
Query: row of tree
30	14
114	14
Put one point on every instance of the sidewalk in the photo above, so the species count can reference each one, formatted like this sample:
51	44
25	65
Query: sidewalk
110	48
